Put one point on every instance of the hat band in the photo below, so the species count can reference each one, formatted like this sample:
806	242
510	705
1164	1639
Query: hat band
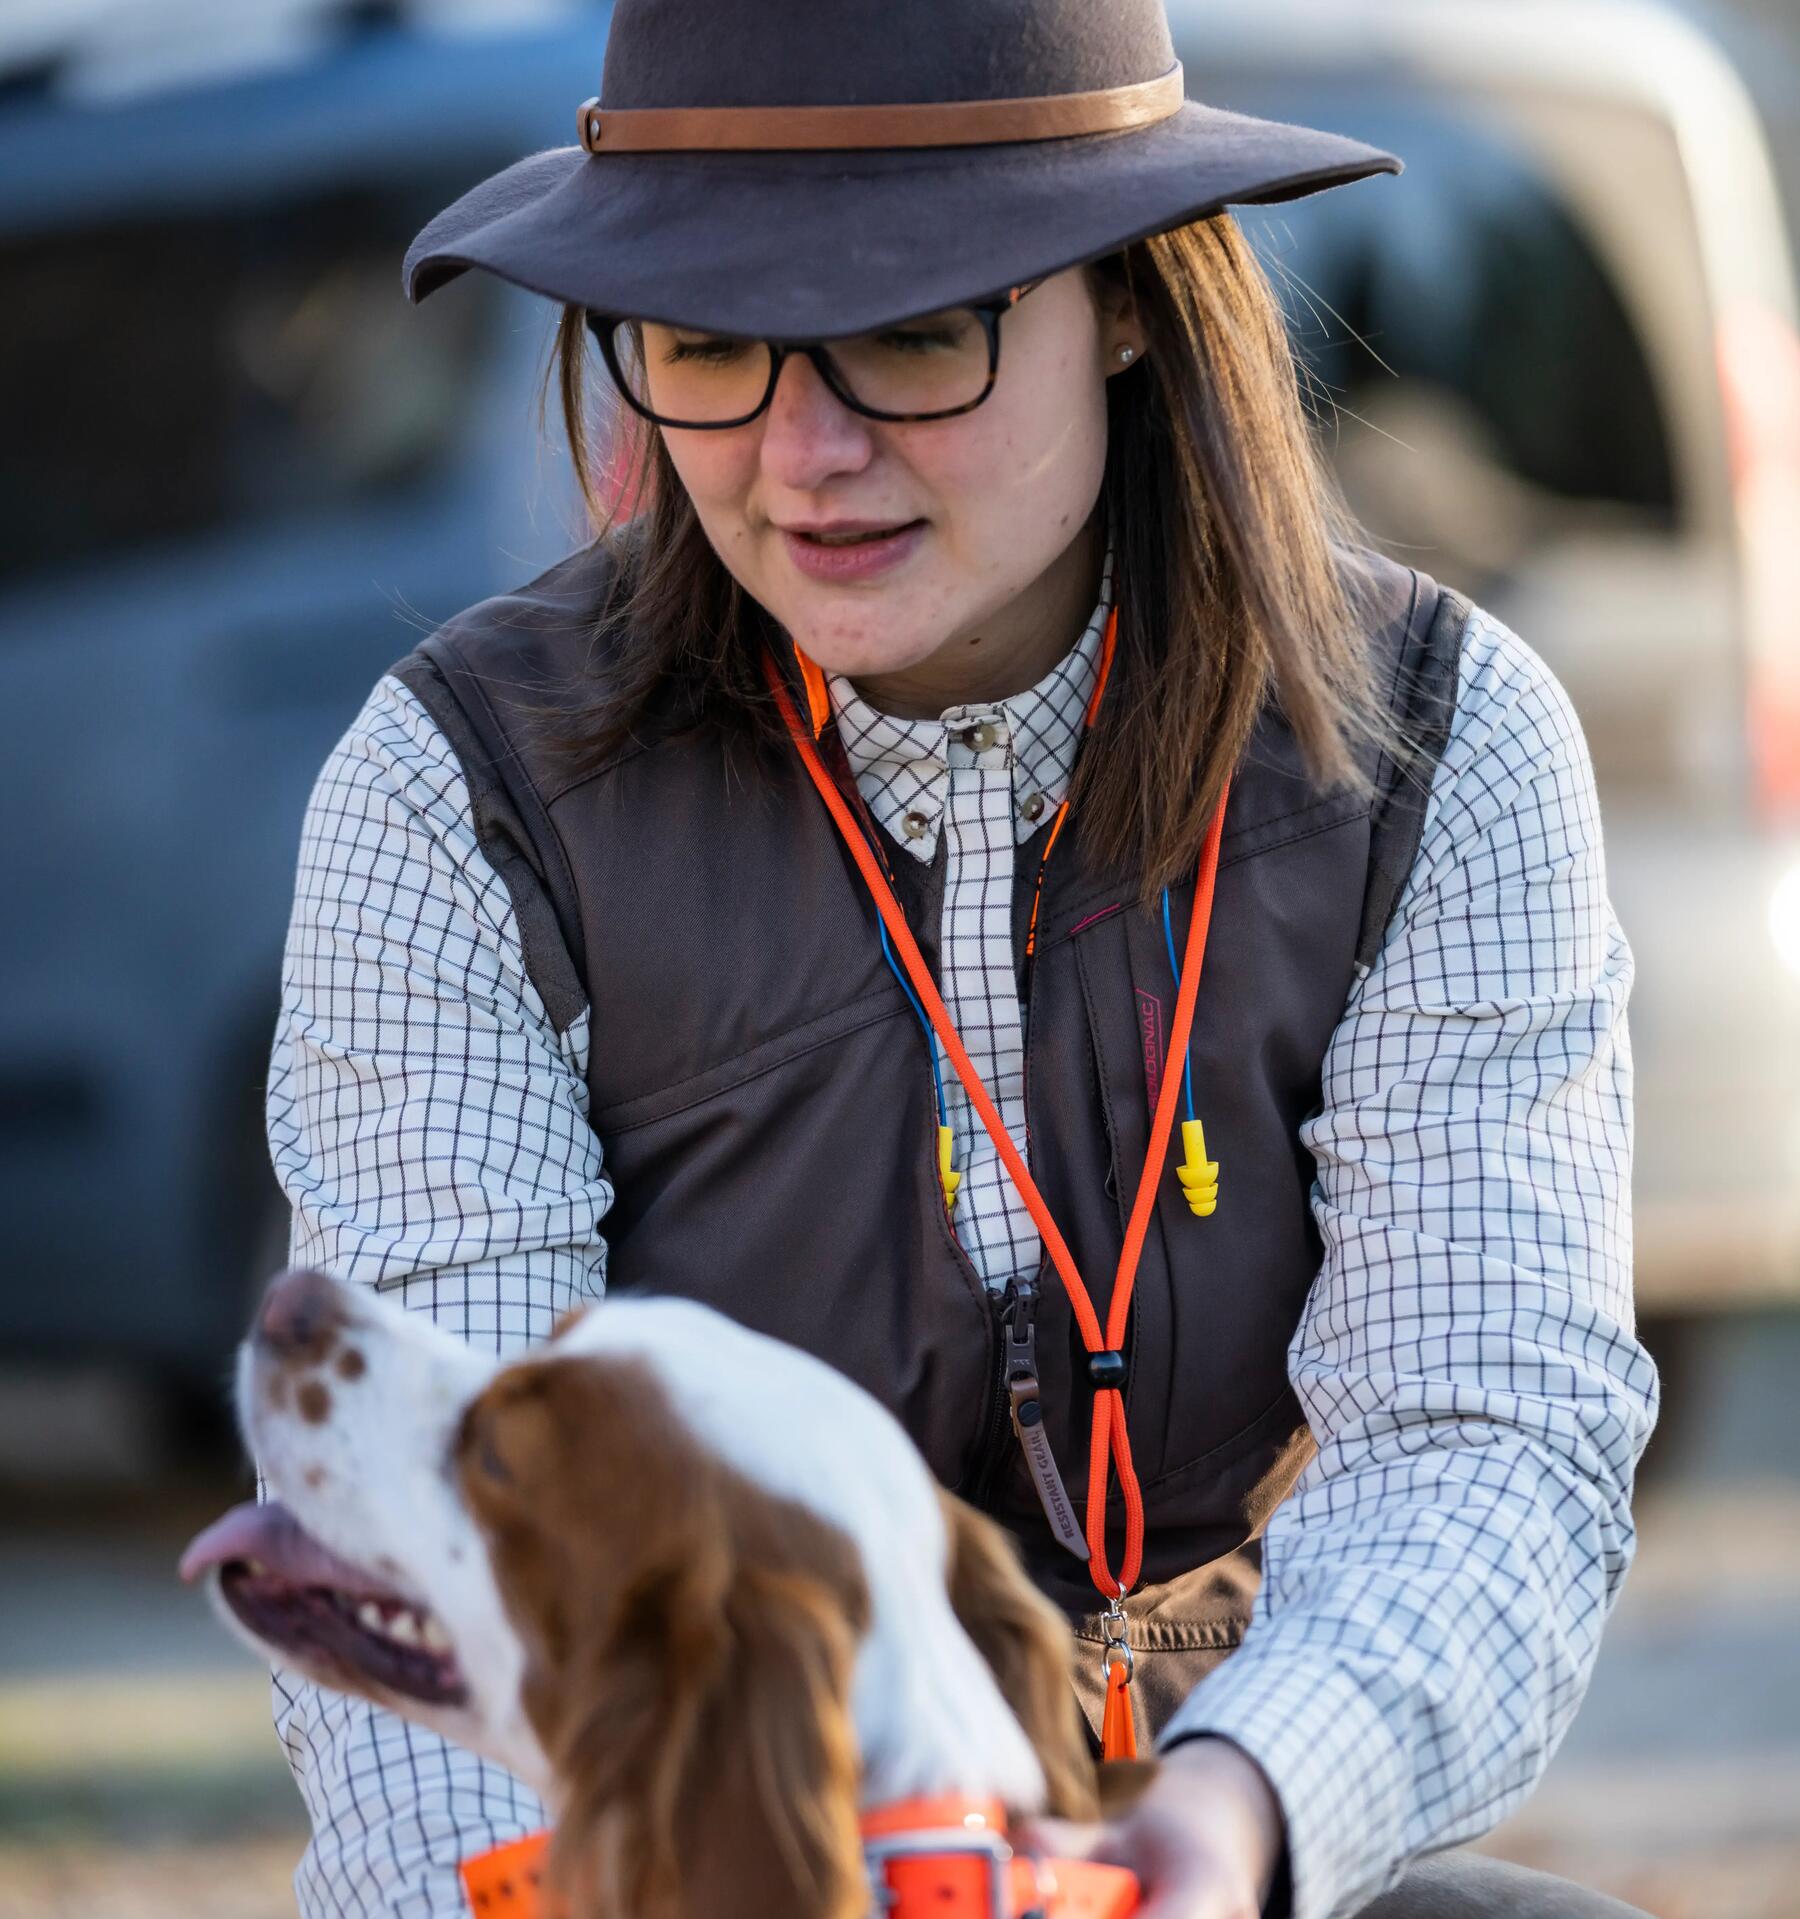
935	123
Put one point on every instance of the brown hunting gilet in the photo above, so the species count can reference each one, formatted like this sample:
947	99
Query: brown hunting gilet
763	1094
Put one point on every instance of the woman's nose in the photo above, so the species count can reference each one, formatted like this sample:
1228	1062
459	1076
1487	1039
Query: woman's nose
809	435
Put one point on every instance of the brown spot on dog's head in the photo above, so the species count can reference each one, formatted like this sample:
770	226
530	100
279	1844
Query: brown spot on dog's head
351	1364
314	1402
689	1643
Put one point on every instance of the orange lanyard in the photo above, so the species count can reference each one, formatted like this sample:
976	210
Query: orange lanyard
1110	1445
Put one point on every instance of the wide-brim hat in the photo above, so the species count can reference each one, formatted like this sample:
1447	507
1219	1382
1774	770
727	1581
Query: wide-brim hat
803	169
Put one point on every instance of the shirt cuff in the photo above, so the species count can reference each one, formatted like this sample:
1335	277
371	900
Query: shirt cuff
1335	1768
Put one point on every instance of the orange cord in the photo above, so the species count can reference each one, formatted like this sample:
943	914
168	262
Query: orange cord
1108	641
1111	1445
1118	1728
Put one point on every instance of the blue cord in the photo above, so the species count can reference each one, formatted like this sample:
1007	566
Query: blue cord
1187	1062
912	999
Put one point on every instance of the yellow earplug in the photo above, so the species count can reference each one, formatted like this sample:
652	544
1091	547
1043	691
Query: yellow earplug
1199	1175
946	1172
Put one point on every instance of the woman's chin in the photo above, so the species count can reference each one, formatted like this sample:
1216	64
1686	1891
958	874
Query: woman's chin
859	642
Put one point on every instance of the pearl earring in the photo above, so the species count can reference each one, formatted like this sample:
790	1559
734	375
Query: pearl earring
1127	355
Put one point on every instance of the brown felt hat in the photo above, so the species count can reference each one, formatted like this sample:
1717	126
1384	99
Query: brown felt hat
803	169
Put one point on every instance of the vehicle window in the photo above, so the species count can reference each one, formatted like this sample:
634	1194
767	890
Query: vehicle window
1507	339
167	376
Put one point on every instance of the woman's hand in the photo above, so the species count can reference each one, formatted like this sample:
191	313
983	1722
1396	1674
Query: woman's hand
1203	1839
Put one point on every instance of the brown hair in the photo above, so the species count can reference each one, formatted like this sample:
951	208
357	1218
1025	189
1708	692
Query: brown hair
1233	548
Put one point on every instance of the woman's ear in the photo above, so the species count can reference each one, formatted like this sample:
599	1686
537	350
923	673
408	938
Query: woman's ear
714	1769
1027	1643
1122	338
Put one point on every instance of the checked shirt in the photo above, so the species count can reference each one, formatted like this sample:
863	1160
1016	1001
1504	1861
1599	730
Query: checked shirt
1435	1585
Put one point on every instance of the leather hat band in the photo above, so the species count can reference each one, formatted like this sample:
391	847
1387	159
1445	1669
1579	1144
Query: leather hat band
936	123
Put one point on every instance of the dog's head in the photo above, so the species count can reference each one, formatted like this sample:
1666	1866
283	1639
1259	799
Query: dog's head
694	1586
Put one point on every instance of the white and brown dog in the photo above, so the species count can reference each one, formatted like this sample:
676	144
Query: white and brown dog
692	1585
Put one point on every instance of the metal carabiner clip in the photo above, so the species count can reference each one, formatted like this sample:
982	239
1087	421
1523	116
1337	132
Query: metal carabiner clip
1112	1633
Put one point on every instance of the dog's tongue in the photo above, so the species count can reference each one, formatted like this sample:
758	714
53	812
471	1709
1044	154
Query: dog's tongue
273	1536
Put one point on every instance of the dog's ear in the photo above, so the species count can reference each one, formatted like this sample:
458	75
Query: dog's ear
714	1769
1027	1642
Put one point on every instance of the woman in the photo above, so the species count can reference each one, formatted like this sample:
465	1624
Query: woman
1013	653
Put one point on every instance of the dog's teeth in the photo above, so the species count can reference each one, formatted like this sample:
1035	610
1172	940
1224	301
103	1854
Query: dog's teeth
404	1628
369	1614
436	1639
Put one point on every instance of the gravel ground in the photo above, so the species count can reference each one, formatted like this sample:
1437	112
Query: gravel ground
232	1880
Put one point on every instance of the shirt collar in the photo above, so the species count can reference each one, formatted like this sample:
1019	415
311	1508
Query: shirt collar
903	767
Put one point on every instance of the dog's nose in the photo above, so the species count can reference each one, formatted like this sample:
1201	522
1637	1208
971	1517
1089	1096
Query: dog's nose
301	1314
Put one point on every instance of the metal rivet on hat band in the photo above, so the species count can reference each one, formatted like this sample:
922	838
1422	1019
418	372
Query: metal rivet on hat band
928	123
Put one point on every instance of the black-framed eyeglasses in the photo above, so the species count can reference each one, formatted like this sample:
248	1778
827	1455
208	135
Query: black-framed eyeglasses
931	368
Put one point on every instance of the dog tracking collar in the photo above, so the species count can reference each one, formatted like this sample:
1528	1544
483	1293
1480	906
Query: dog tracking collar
942	1856
947	1855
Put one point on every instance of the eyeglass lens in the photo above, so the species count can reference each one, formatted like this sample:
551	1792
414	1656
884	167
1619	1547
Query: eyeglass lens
937	364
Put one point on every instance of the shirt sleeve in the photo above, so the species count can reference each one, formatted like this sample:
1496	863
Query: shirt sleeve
430	1129
1435	1585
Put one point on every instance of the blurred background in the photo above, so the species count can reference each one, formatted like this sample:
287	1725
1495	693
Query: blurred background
1556	364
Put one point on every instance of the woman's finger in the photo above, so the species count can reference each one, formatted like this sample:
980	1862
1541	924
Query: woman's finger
1186	1848
1062	1838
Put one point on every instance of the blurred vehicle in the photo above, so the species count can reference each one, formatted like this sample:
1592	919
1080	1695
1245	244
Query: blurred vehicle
1558	367
239	474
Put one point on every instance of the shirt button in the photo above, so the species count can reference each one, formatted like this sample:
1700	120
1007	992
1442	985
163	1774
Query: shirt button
979	738
1032	806
916	826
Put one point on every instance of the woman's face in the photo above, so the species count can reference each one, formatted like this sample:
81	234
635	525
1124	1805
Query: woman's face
980	556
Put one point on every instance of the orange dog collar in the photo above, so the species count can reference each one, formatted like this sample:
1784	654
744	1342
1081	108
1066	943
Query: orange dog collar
948	1858
934	1858
507	1881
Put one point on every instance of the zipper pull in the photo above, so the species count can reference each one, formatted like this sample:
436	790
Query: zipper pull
1019	1317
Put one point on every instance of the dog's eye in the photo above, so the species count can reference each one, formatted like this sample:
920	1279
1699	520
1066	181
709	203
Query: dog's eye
475	1448
489	1461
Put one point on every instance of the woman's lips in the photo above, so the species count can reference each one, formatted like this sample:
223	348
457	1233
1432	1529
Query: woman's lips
849	551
